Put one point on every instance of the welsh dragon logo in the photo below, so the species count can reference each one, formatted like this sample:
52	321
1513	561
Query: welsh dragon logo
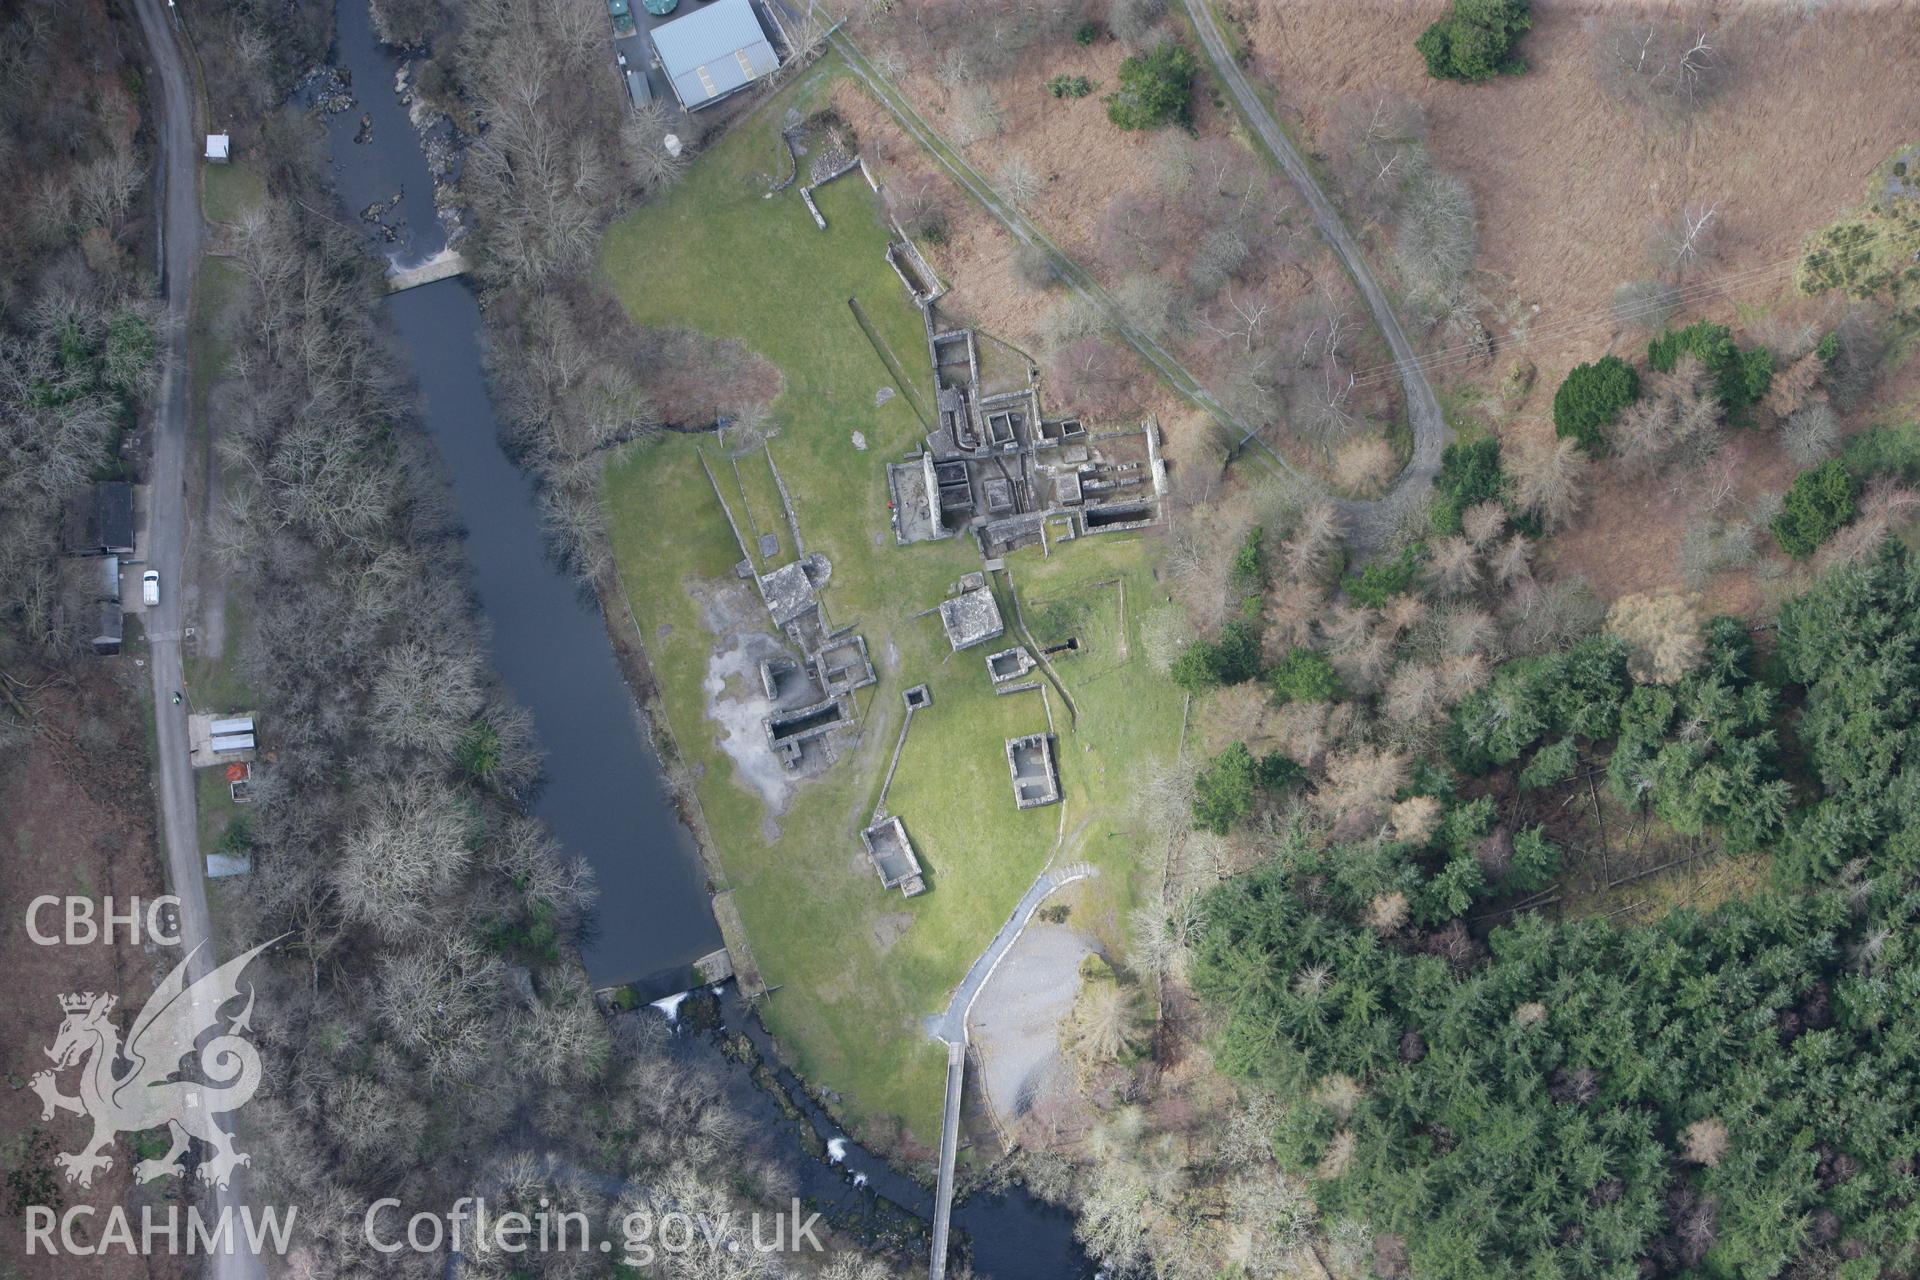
146	1095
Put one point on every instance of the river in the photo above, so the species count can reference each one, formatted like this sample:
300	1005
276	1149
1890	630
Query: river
603	797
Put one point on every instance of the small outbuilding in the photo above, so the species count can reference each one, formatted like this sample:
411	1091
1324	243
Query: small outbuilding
109	627
1036	775
972	617
220	740
713	52
893	858
1009	665
98	521
109	580
788	592
639	93
219	148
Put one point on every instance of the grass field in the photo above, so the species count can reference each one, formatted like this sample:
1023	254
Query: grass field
217	809
214	680
215	289
857	968
230	190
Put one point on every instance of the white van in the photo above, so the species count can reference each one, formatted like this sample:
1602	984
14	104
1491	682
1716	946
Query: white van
150	588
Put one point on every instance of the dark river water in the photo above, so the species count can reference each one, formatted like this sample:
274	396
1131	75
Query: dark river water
602	797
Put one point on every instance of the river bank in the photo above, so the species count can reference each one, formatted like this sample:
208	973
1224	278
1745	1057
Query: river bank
602	795
617	787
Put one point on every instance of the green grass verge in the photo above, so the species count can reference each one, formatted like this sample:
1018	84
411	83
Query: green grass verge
216	806
215	288
230	191
716	255
214	682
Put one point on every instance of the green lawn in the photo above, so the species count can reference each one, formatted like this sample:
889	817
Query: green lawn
717	256
230	191
216	287
213	680
217	809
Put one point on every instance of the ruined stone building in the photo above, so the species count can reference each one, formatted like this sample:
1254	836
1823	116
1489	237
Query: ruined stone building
995	466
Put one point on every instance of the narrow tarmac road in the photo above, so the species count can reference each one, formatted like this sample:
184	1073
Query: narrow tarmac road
178	210
1369	522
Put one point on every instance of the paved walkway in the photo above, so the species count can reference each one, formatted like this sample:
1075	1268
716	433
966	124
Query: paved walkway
951	1027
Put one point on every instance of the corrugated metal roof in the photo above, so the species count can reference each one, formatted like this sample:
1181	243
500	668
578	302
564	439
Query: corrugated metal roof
232	742
713	51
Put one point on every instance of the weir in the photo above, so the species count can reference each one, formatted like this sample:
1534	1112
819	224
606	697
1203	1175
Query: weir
443	265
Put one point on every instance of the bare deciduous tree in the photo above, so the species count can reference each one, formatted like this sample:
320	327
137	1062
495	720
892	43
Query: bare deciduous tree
1646	305
1512	560
1309	553
1668	66
1797	386
1377	138
1483	522
1453	565
1676	423
1240	321
1109	1019
1359	787
103	188
1811	433
954	69
1019	181
425	697
1547	477
747	428
1662	633
1710	546
1134	22
1435	242
1413	695
1683	242
1884	507
889	61
976	115
408	852
645	131
1222	254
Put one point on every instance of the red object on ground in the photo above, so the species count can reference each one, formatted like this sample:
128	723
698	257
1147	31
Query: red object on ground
237	772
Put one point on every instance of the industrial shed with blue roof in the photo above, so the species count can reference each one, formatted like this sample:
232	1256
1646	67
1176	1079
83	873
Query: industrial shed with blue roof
713	51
